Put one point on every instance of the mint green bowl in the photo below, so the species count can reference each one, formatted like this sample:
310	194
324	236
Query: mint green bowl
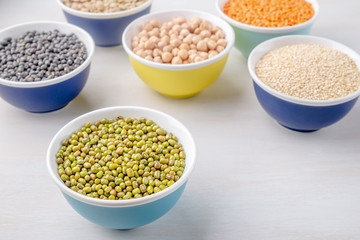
247	37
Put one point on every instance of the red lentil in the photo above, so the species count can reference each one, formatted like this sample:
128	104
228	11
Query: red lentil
269	13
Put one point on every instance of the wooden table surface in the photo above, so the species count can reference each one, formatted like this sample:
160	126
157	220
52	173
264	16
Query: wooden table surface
253	178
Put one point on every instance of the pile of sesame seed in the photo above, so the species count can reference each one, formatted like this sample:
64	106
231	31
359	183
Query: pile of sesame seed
309	71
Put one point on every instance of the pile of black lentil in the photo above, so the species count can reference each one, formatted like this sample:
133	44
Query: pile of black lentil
40	55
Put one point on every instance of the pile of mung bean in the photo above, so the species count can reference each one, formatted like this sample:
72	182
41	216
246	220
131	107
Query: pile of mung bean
120	158
103	6
179	41
309	71
40	55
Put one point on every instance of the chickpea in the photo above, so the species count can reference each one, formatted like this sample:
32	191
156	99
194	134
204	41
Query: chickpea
197	31
212	53
195	39
198	59
176	60
166	57
168	48
205	33
211	44
219	48
175	42
140	53
157	59
192	27
161	44
214	38
175	51
220	34
155	32
222	42
205	25
147	27
165	39
188	39
149	58
196	21
201	46
156	53
179	20
184	46
143	39
154	23
183	54
177	28
184	32
149	45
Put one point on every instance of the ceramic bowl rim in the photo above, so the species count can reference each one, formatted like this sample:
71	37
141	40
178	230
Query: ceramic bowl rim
229	33
77	30
104	15
297	39
269	30
128	202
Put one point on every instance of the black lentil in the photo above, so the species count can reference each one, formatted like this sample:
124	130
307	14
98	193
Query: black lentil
40	55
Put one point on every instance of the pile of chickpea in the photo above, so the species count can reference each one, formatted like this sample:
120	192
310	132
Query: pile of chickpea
179	41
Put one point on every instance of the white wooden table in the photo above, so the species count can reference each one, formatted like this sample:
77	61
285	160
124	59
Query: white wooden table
253	179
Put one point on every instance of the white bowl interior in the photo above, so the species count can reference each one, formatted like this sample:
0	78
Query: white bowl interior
260	50
163	16
163	120
104	15
271	30
20	29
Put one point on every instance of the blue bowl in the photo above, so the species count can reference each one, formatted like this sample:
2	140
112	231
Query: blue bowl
53	94
130	213
295	113
247	37
105	28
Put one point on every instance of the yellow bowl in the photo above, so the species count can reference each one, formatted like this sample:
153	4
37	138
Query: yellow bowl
180	80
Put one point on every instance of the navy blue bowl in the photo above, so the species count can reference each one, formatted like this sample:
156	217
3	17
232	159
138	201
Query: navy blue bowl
105	28
295	113
53	94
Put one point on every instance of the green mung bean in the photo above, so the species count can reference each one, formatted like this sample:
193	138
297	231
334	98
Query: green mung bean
120	158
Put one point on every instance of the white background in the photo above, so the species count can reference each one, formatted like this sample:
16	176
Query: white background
253	179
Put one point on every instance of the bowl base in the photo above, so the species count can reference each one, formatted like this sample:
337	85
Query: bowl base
180	96
299	130
47	111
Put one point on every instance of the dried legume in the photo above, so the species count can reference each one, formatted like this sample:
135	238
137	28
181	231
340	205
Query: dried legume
179	41
103	6
309	71
120	158
36	56
269	13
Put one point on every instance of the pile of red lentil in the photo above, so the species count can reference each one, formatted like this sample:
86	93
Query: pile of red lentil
269	13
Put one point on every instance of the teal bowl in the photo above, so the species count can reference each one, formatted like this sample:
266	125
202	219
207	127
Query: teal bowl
129	213
247	37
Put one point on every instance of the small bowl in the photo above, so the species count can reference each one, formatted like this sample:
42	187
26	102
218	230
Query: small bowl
180	80
248	36
130	213
52	94
105	28
298	114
